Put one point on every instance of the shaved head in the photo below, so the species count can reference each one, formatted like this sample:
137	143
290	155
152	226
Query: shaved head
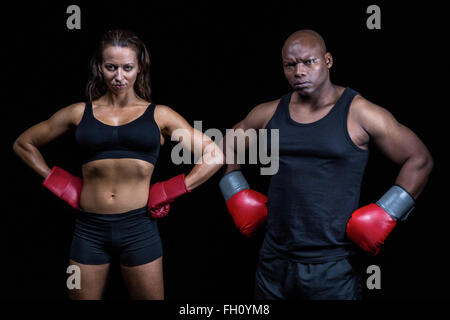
306	61
307	38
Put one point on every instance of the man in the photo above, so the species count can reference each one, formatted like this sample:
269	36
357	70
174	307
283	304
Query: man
312	211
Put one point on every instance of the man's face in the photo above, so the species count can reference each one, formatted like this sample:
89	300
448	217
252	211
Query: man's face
305	66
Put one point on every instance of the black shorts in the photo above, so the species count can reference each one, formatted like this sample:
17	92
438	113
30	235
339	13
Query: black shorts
133	236
280	278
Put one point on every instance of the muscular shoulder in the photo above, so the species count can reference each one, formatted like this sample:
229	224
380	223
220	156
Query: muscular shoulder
70	115
77	108
168	119
370	116
163	110
260	115
165	113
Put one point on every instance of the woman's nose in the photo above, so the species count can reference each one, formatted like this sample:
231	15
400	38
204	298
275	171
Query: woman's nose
119	75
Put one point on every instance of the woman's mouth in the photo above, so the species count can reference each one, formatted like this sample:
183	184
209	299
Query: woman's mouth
119	86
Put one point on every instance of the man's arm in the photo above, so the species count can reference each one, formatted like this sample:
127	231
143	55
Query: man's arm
246	206
398	143
257	119
370	225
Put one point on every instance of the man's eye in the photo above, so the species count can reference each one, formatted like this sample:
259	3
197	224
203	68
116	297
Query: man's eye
289	65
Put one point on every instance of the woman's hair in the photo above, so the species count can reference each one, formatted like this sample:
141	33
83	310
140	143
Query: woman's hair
96	86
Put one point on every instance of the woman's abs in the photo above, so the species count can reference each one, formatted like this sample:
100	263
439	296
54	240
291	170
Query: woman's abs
115	185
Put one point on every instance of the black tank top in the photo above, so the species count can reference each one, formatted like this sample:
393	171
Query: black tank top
138	139
317	186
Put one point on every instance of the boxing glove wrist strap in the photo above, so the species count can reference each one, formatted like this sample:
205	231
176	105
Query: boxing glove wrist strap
176	186
231	183
397	202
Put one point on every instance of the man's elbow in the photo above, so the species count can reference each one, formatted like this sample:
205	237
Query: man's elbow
424	162
430	162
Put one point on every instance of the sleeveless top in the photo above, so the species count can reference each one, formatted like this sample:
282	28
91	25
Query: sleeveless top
138	139
317	186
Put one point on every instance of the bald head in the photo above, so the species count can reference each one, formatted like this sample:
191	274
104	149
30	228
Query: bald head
308	38
306	62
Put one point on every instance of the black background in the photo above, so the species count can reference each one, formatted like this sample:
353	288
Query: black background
214	63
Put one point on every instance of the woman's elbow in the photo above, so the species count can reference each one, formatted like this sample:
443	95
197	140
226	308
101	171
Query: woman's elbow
18	145
218	156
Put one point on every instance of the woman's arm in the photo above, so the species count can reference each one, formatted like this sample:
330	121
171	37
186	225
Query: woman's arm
174	125
27	145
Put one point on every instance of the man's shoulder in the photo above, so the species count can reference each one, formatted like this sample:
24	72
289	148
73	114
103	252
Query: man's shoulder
260	115
268	105
362	105
367	113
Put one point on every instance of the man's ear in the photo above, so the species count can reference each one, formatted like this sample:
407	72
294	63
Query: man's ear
328	60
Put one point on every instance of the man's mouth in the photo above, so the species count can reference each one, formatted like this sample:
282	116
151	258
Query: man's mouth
301	84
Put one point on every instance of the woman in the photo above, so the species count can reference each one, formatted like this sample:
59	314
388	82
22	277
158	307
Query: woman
120	132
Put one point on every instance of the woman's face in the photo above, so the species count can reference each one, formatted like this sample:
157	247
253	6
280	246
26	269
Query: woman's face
120	68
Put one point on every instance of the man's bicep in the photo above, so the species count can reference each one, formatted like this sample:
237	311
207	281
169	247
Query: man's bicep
247	128
395	140
250	122
260	115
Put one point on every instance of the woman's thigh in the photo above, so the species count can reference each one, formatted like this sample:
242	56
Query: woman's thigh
145	282
92	279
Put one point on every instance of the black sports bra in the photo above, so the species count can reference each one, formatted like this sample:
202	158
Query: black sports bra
138	139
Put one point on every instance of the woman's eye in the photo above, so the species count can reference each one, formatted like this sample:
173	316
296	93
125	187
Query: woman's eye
128	68
109	67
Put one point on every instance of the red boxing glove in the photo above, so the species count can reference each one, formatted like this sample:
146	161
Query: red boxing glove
163	193
370	225
159	212
248	210
247	207
64	185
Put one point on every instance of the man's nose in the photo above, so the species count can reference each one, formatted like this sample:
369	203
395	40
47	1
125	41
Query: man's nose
300	70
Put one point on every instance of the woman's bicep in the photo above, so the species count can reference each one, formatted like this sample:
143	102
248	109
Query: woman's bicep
48	130
172	124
